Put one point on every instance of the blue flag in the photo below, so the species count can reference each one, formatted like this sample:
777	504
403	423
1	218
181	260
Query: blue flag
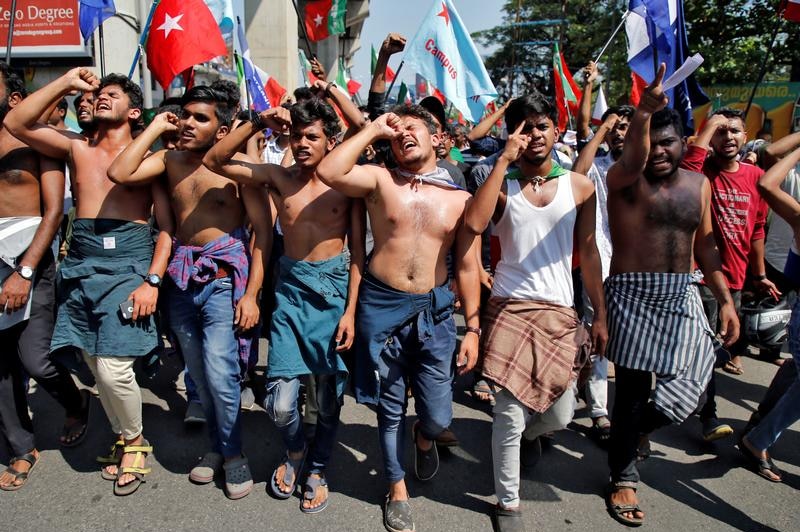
442	51
92	14
656	32
253	83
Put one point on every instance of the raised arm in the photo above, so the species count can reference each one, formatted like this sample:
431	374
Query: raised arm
133	166
587	154
627	170
393	43
23	120
483	127
224	158
484	205
709	128
779	149
585	109
706	254
780	201
341	100
338	169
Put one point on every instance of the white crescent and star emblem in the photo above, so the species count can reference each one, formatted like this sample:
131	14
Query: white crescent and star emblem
170	23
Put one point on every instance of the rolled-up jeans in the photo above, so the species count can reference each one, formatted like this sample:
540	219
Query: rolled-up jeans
201	318
281	406
512	420
428	365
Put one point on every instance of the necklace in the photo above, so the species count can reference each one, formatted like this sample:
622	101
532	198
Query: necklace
539	180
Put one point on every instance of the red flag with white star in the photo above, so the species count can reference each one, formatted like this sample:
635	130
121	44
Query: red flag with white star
182	34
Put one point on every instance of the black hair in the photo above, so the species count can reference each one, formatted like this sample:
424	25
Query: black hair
62	105
206	94
730	112
12	80
306	112
532	104
244	115
173	108
302	94
622	111
230	89
416	111
76	102
665	118
130	88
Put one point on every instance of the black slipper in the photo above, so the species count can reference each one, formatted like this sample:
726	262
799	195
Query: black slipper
83	424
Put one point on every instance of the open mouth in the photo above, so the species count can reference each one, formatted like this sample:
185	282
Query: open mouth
102	107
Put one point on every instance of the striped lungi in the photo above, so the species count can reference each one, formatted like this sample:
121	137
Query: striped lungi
656	323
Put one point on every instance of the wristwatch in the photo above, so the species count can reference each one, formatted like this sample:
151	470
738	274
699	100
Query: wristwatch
26	272
153	279
476	330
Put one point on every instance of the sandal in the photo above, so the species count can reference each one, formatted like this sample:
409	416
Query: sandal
733	368
483	392
70	437
32	459
310	493
238	479
293	468
138	470
643	450
113	458
761	465
601	429
616	510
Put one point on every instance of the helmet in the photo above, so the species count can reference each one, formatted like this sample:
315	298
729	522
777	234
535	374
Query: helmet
765	322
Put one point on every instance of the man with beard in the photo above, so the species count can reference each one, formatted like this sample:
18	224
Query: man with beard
405	332
738	216
214	284
31	194
541	212
660	220
612	131
315	296
84	111
108	283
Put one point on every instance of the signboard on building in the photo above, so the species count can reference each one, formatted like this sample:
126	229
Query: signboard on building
45	31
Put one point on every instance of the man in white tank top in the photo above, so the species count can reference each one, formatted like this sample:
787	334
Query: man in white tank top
534	343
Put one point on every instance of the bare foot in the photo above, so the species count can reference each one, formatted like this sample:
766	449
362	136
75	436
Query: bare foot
320	496
8	479
280	474
627	496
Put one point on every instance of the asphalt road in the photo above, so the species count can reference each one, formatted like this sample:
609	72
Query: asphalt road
687	484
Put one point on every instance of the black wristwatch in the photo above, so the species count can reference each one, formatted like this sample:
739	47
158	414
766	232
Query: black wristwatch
153	279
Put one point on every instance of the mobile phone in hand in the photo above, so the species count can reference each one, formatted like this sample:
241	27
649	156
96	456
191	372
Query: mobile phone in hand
126	309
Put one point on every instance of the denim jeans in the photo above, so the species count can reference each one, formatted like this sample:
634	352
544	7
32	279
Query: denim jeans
786	411
428	365
201	318
281	406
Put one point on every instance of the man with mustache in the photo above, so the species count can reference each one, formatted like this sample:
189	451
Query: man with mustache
738	217
405	332
84	111
655	317
213	282
111	266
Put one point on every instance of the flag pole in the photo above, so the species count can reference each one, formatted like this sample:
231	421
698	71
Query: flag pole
396	75
240	62
11	30
763	66
619	27
303	27
143	38
102	51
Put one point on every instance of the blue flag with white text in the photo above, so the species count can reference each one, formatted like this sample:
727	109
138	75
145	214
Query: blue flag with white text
93	13
442	51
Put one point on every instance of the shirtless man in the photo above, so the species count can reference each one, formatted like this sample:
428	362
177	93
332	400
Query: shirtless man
213	284
315	297
84	112
404	329
111	260
651	288
31	195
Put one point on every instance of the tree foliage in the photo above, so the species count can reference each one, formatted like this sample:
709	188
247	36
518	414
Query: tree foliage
732	36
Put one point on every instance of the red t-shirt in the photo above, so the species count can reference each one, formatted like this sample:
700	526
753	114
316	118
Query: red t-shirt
738	212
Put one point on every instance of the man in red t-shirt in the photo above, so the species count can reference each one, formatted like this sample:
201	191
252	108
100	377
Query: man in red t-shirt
738	217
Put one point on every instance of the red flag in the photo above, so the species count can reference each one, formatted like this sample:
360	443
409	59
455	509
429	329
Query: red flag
637	88
353	86
324	18
790	10
438	94
182	34
567	92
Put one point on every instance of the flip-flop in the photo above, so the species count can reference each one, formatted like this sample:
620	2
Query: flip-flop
601	429
20	475
137	470
761	465
310	492
293	467
616	510
83	424
733	368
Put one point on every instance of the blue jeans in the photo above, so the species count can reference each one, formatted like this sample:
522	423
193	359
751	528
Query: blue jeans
786	411
281	406
428	365
201	318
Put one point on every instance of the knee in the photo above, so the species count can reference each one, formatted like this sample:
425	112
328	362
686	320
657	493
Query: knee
281	409
114	377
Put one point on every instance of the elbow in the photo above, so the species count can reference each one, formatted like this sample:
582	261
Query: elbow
211	162
475	227
115	175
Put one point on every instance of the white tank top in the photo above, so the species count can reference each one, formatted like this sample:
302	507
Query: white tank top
536	246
